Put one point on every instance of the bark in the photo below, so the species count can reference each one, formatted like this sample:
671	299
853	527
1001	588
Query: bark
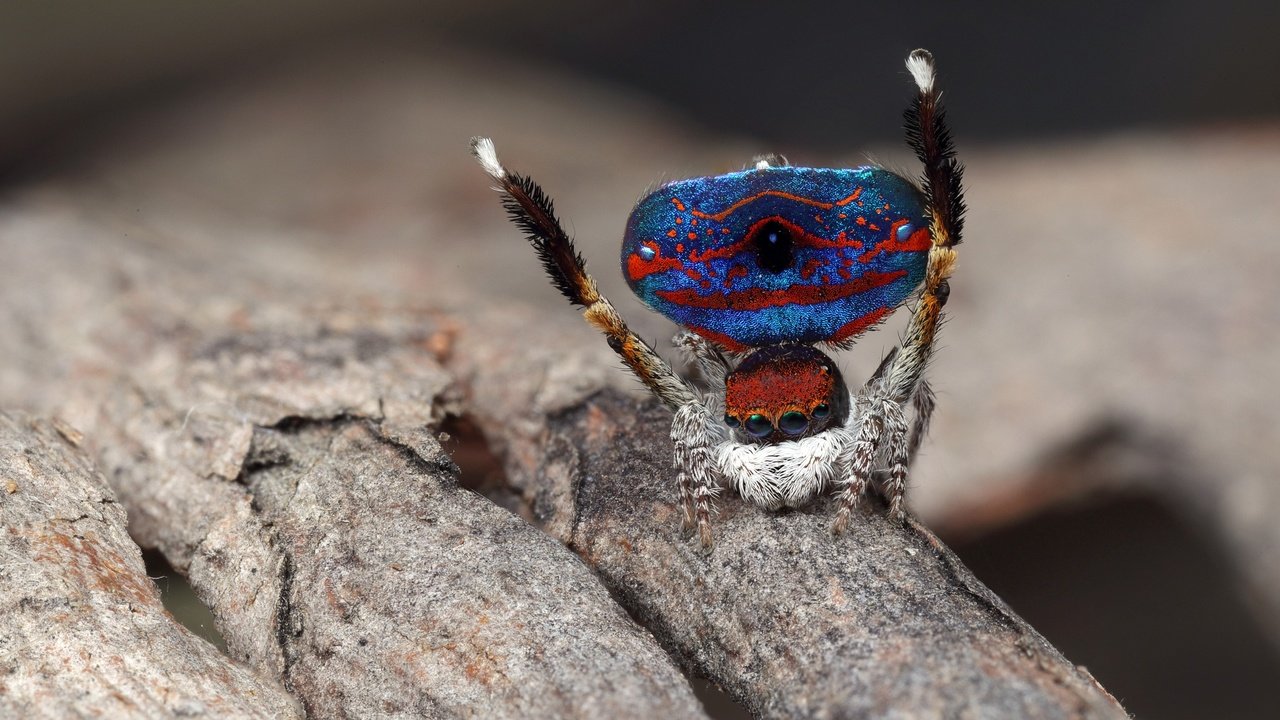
268	406
288	466
84	633
792	622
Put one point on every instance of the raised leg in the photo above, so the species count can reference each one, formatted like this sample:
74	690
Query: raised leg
883	433
531	209
928	135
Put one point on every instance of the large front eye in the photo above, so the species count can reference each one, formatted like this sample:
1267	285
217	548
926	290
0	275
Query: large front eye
793	423
758	426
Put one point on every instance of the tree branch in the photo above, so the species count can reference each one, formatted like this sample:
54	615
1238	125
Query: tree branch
84	633
268	413
789	620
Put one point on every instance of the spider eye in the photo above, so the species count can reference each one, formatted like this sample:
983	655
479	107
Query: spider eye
822	412
731	421
793	423
758	426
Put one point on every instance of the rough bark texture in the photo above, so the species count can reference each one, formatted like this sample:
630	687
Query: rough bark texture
262	308
285	461
84	633
883	622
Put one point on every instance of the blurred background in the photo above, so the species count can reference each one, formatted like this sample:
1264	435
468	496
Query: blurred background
1105	455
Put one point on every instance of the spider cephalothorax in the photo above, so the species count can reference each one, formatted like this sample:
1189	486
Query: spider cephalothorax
785	392
761	266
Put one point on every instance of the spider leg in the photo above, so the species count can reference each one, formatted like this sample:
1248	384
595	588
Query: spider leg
694	431
929	136
532	210
900	378
924	403
711	362
856	468
695	436
898	456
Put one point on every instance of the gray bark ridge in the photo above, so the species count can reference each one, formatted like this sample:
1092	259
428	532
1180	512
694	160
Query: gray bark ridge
279	447
792	622
84	632
322	521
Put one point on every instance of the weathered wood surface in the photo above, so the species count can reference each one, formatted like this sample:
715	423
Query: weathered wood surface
285	460
262	309
83	631
884	622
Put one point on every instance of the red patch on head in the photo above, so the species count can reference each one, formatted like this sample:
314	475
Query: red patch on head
776	386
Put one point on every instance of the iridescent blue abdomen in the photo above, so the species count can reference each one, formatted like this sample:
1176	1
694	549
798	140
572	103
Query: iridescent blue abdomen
780	254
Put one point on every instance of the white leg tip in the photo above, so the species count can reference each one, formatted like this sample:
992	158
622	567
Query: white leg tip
920	65
487	154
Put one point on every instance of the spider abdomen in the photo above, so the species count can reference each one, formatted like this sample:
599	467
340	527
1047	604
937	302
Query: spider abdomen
778	254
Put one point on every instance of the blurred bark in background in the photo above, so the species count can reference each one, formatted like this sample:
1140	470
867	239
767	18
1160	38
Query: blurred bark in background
224	271
810	75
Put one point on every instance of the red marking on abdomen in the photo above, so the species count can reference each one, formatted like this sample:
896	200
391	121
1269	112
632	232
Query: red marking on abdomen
638	267
800	237
810	267
758	299
842	240
735	272
859	325
720	216
918	241
720	339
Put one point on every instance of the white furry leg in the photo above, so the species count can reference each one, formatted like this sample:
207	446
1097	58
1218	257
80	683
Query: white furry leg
711	362
897	450
695	438
923	402
858	467
686	494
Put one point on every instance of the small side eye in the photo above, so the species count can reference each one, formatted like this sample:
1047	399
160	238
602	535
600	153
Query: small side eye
822	412
731	421
758	425
793	423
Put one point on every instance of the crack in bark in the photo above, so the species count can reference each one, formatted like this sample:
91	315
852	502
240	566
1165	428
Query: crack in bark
285	621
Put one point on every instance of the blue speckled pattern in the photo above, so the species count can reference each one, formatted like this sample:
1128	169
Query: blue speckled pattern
856	245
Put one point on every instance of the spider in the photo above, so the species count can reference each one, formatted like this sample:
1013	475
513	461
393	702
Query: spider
760	267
